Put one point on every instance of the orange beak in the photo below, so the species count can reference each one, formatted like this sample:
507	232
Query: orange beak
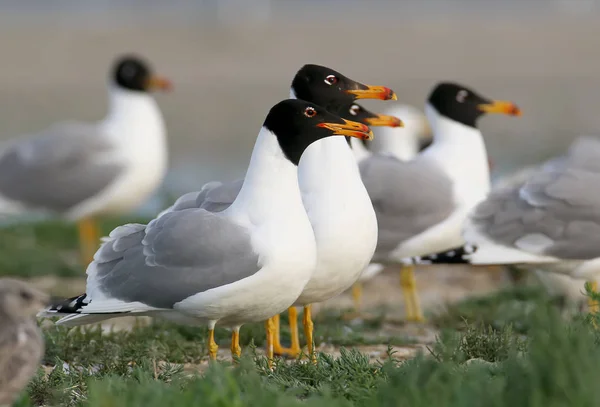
502	107
374	92
384	120
350	129
159	83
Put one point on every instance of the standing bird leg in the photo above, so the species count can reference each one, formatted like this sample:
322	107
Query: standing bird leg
212	345
294	350
88	239
308	333
411	296
236	350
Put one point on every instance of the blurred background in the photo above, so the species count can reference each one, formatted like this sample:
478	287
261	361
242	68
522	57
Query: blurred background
231	60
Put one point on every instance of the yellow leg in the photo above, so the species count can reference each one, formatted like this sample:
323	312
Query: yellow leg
212	345
236	350
409	289
308	333
593	305
294	350
88	239
270	329
406	295
357	296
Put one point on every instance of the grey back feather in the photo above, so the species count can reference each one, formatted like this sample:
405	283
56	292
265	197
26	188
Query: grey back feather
408	197
59	168
558	205
177	255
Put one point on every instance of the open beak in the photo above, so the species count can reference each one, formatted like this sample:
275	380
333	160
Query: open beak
374	92
350	129
384	120
159	83
500	106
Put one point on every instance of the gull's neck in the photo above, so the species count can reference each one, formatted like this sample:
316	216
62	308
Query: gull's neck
359	150
401	143
460	151
271	183
133	115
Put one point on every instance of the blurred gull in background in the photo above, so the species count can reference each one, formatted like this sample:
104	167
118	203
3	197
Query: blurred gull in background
422	203
81	170
550	219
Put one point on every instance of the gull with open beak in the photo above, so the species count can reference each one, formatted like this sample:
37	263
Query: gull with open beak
81	170
421	204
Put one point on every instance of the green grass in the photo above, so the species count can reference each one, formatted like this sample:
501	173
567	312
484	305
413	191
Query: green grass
555	365
49	247
511	348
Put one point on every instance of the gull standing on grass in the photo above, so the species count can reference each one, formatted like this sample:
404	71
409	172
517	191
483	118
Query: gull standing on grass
421	204
21	342
333	172
244	264
81	170
403	143
551	220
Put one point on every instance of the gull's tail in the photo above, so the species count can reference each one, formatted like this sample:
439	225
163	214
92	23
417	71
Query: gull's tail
458	255
73	312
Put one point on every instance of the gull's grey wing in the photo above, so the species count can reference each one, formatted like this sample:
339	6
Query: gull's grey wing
59	168
177	255
21	348
217	198
408	197
556	212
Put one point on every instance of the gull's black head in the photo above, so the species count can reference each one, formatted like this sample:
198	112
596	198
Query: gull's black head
332	90
297	124
464	105
133	73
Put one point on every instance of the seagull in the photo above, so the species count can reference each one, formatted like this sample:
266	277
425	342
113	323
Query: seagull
347	210
244	264
551	219
81	170
421	204
402	143
21	342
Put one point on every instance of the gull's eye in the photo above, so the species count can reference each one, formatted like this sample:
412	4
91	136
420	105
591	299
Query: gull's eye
331	80
310	112
354	109
461	96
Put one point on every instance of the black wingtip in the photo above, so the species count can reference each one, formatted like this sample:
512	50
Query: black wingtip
458	255
71	305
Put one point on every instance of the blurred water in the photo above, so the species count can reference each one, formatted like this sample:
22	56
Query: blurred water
231	62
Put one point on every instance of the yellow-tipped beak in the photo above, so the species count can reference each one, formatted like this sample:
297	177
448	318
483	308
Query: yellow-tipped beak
374	92
384	120
159	83
350	129
501	106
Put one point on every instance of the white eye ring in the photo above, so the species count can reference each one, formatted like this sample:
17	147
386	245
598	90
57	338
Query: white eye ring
461	96
331	79
354	109
310	112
